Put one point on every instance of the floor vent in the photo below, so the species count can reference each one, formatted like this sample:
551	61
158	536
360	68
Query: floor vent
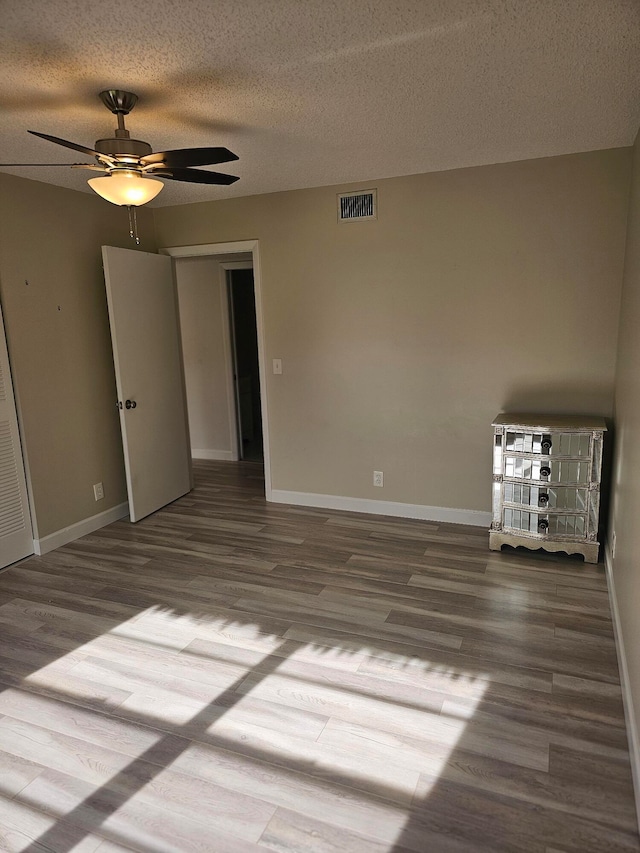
354	207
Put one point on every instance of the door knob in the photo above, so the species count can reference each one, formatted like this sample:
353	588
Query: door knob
130	404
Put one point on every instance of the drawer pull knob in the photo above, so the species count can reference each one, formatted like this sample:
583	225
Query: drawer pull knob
543	525
543	500
545	471
546	444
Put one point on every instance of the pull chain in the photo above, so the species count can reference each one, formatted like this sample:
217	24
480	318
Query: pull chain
133	224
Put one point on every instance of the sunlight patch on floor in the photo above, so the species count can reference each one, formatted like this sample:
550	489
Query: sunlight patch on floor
298	725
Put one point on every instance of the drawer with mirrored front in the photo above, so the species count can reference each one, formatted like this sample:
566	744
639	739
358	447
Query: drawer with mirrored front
549	444
548	497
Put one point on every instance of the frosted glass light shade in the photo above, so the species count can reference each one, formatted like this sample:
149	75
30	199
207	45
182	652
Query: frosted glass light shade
126	188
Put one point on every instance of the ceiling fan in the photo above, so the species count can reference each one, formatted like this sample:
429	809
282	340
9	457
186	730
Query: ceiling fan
131	170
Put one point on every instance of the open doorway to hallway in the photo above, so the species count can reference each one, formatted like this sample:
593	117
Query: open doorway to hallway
227	418
246	367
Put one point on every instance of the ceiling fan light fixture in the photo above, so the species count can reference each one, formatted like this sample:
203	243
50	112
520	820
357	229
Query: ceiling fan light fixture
126	188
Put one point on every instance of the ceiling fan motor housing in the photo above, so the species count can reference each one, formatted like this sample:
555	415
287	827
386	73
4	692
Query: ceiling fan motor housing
118	147
121	103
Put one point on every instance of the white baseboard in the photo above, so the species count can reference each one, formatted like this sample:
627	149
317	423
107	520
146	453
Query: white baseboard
75	531
627	698
222	455
400	510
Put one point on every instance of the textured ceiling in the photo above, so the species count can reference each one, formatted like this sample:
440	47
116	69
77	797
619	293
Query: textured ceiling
317	92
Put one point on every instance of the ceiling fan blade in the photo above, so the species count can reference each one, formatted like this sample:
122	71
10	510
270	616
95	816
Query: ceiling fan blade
182	157
44	164
198	176
93	166
88	151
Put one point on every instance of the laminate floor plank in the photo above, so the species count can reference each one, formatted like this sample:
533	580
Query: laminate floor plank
355	635
550	708
585	798
493	719
289	831
16	773
474	625
345	579
289	651
197	720
60	615
22	661
427	575
51	681
381	817
164	816
562	570
229	675
506	824
21	826
429	748
473	675
138	598
555	655
84	724
230	581
116	675
87	603
340	564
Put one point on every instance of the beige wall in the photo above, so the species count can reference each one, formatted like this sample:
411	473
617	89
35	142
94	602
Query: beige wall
205	345
475	290
59	344
625	515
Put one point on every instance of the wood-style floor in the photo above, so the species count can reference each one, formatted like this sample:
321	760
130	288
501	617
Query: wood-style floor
231	675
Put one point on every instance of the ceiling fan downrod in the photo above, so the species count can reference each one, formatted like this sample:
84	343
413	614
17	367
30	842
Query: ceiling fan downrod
120	103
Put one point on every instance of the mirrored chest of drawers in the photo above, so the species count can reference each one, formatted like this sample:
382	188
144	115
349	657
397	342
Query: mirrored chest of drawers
546	483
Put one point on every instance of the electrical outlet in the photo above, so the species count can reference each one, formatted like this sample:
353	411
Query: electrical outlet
613	544
378	478
98	491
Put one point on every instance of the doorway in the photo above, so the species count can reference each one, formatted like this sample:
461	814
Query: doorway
246	363
234	257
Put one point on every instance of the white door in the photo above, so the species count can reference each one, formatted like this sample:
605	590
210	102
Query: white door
149	379
16	536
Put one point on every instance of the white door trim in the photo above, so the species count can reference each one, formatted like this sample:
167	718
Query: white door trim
211	250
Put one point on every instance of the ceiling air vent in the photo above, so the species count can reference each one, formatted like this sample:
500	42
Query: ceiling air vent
354	207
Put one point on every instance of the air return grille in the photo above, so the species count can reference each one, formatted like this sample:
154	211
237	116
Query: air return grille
354	207
11	514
